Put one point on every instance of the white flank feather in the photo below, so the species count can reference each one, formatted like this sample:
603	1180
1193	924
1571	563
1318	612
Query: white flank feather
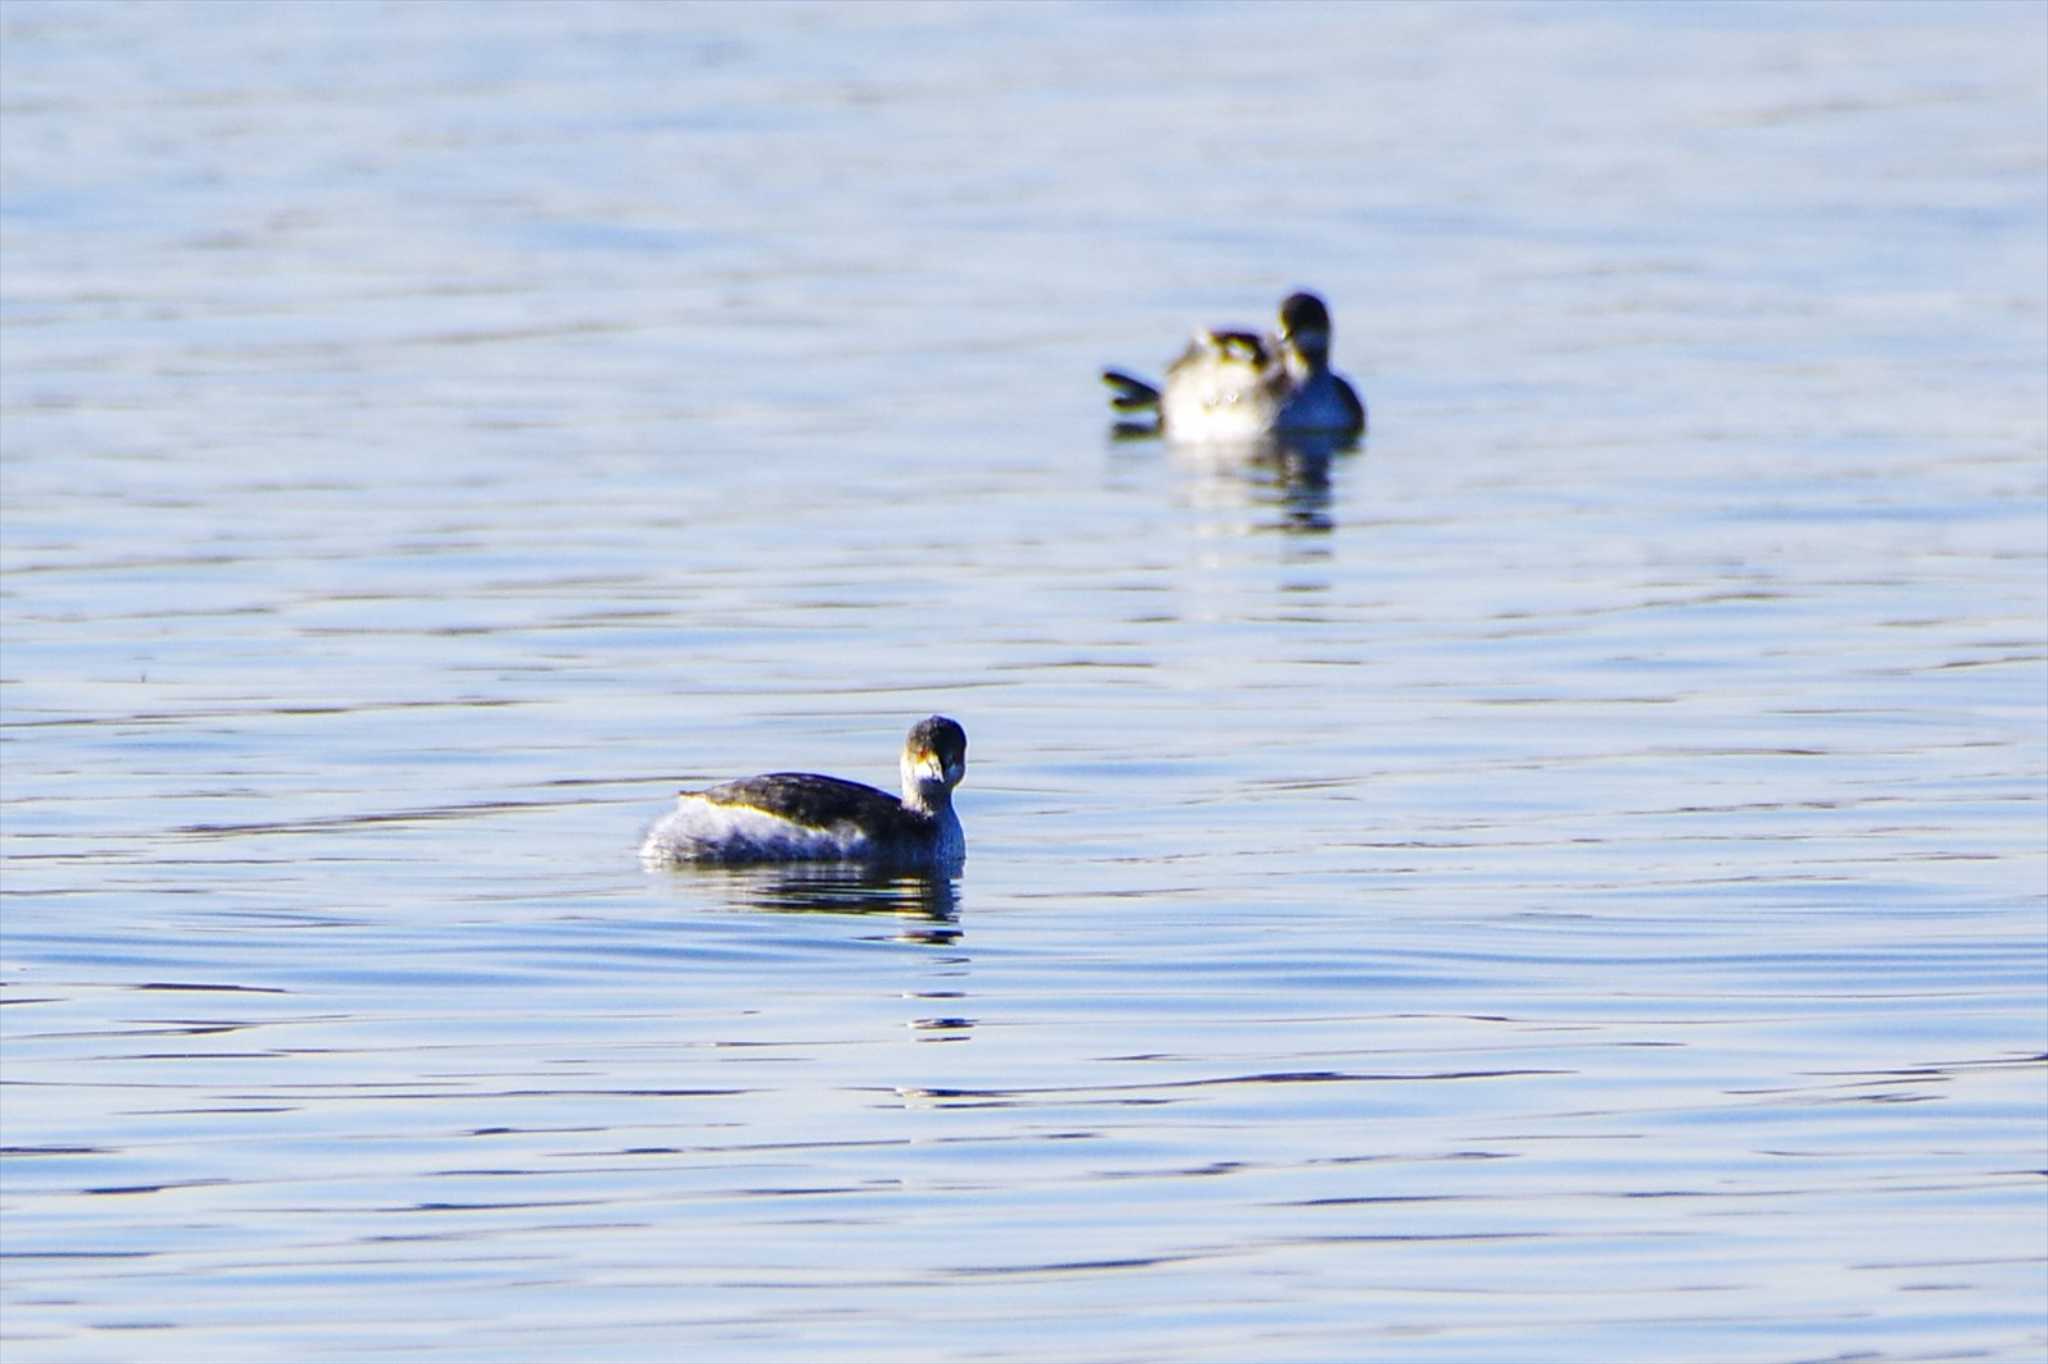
699	831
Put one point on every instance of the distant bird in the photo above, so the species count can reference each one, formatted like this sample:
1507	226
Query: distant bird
803	817
1232	386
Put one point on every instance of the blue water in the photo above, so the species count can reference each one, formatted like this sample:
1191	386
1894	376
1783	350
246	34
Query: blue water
1566	882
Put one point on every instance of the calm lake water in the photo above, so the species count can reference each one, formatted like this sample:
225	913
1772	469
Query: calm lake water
1566	882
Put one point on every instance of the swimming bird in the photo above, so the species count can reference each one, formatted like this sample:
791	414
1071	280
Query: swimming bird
803	817
1230	386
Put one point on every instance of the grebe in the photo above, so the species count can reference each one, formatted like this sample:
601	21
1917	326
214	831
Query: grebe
803	817
1232	386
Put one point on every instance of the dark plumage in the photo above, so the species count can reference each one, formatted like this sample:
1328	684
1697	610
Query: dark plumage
805	817
817	802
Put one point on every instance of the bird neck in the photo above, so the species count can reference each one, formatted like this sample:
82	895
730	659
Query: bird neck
1308	356
926	796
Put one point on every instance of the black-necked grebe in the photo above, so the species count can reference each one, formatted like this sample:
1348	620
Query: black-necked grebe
1230	386
803	817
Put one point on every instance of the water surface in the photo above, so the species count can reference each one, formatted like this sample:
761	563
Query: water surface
1563	882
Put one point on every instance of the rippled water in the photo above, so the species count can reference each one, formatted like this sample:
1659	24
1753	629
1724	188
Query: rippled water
1565	882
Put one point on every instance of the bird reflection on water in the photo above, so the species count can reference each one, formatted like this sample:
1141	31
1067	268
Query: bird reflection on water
1290	474
927	904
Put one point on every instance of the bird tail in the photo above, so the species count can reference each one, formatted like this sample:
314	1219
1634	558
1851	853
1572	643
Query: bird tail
1130	393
